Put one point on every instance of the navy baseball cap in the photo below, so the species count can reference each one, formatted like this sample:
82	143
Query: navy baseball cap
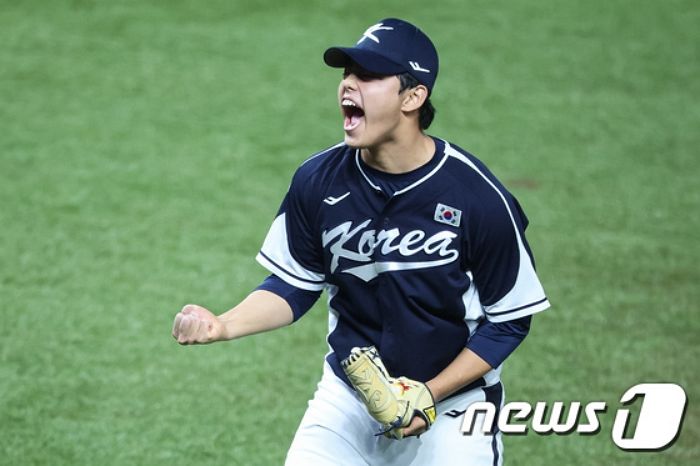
392	46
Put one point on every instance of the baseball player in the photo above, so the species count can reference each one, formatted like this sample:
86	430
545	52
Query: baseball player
421	250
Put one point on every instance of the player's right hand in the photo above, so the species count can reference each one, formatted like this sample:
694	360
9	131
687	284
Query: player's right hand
196	325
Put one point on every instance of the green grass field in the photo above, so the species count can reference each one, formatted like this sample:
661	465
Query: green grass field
145	147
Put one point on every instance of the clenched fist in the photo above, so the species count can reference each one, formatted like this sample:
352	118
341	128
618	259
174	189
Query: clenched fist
196	325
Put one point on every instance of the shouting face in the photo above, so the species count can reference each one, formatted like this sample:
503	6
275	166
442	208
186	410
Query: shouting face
370	105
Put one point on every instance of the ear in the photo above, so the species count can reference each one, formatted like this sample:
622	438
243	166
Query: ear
414	98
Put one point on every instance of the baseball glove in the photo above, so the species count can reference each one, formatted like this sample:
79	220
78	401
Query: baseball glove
391	401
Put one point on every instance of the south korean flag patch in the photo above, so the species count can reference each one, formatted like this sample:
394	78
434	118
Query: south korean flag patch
448	215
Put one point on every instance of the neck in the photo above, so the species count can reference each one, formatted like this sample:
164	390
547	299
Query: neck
400	155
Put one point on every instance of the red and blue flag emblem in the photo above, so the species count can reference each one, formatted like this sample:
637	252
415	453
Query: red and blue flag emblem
448	215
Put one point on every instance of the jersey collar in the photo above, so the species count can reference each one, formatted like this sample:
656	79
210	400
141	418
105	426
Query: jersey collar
422	173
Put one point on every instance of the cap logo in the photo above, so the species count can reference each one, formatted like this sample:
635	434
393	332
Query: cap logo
369	33
416	66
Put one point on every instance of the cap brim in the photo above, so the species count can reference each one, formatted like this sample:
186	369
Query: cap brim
340	57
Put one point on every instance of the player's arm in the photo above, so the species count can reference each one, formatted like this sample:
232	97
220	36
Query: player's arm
260	311
491	344
487	349
463	370
273	304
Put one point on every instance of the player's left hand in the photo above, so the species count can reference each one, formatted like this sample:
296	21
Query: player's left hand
395	402
415	428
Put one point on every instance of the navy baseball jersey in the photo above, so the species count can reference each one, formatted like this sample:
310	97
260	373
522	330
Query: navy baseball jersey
412	263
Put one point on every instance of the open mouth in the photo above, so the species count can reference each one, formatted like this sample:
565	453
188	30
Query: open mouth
353	114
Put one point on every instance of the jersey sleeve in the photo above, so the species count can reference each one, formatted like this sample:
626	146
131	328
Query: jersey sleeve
495	341
502	267
299	300
291	250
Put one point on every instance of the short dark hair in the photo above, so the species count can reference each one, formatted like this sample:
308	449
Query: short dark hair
427	111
